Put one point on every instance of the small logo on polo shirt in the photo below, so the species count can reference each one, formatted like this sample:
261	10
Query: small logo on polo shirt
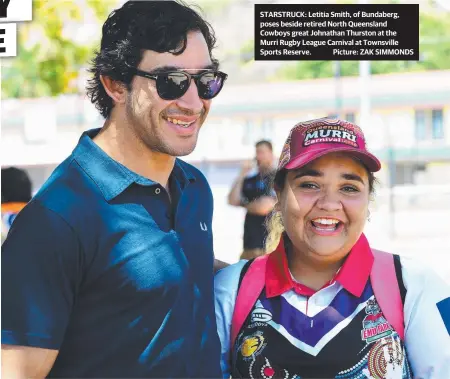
375	326
203	226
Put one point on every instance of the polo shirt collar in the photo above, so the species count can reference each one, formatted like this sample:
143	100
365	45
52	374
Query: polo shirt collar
353	274
111	177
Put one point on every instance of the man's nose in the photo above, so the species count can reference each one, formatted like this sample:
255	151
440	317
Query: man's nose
190	100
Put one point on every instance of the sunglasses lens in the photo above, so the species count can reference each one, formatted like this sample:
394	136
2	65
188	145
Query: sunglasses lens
172	86
209	85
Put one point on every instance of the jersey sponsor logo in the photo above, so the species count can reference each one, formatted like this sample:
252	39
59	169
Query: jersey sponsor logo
261	315
444	310
253	345
375	326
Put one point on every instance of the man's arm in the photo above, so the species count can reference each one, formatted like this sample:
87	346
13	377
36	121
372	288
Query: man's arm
261	206
41	268
235	195
23	362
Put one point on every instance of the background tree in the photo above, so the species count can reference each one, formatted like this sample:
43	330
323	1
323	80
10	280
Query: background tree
53	47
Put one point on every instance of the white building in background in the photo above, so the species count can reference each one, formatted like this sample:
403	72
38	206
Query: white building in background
409	124
409	130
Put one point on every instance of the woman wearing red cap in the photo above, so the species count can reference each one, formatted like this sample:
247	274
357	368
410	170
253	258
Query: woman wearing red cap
324	304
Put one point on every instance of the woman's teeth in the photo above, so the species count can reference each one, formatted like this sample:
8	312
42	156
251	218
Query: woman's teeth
183	124
325	223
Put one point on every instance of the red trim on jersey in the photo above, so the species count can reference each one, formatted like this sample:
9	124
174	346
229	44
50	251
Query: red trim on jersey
353	274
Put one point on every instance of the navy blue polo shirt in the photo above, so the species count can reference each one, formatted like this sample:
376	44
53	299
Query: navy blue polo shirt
104	267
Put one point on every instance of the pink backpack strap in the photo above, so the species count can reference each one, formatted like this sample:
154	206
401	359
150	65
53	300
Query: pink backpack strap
251	286
386	290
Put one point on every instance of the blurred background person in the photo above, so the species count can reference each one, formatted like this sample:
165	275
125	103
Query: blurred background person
253	190
16	193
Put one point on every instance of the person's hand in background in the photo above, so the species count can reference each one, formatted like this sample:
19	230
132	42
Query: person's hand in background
246	167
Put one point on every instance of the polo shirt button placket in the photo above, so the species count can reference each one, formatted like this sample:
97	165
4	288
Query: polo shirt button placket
168	213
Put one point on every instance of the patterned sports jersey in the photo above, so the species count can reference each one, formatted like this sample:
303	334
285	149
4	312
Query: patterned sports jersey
338	331
278	339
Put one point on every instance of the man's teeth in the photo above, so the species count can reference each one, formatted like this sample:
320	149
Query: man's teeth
179	122
325	221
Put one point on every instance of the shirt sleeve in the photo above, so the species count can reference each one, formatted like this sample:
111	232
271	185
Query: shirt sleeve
225	289
40	276
427	321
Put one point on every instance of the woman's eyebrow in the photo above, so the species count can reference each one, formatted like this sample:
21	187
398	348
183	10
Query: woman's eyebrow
307	172
348	176
317	174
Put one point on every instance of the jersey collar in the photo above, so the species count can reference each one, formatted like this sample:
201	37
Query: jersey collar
352	275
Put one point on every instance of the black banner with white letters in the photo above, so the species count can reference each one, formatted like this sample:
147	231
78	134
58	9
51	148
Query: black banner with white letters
337	32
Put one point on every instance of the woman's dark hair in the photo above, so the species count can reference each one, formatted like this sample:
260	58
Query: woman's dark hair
161	26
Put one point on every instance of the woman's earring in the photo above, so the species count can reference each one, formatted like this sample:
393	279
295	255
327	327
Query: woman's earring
368	215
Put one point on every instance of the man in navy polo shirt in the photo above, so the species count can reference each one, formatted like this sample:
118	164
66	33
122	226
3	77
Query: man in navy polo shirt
108	271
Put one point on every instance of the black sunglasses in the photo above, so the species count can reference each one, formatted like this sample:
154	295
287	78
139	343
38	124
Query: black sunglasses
172	85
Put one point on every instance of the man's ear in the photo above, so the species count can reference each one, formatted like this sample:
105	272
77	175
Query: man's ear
114	89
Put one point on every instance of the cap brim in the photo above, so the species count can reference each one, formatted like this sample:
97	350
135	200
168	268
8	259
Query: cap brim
369	160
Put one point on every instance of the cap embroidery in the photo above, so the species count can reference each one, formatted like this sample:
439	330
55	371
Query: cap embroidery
324	130
330	134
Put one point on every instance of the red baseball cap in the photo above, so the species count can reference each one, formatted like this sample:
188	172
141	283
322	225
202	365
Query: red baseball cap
312	139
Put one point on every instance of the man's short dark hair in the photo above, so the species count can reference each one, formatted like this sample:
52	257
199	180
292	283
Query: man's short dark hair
161	26
16	186
264	142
